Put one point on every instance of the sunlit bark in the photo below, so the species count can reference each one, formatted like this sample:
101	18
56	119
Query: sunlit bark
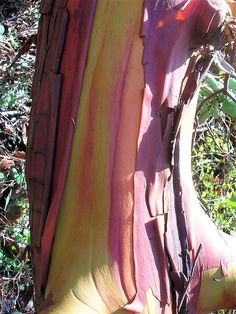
116	224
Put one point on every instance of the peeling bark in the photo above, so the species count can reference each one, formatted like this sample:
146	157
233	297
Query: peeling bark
116	224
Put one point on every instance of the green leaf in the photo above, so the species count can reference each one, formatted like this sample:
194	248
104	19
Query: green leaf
2	177
232	83
27	236
215	112
208	111
19	178
7	200
213	82
231	201
205	91
14	173
229	107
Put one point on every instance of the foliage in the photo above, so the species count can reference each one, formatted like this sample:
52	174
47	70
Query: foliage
18	22
214	171
214	151
219	103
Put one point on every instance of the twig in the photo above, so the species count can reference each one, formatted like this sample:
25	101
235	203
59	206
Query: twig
12	158
12	113
25	48
223	90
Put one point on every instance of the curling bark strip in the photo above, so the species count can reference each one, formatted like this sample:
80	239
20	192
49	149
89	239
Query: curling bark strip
116	224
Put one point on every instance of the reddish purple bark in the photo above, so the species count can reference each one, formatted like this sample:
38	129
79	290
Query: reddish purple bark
63	35
173	240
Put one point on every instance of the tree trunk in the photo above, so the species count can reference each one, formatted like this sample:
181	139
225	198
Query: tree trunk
116	224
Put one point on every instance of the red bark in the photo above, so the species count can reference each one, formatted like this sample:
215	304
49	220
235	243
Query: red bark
171	242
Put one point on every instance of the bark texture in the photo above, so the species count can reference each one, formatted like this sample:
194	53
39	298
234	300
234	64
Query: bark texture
116	224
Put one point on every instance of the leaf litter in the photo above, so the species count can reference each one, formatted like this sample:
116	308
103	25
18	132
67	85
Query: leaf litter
18	23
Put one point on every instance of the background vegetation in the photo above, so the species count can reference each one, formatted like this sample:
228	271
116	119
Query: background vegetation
18	21
213	152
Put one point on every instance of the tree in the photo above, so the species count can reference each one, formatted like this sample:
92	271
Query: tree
116	224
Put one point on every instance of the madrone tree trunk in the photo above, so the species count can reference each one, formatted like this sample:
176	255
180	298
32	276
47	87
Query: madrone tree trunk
116	223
